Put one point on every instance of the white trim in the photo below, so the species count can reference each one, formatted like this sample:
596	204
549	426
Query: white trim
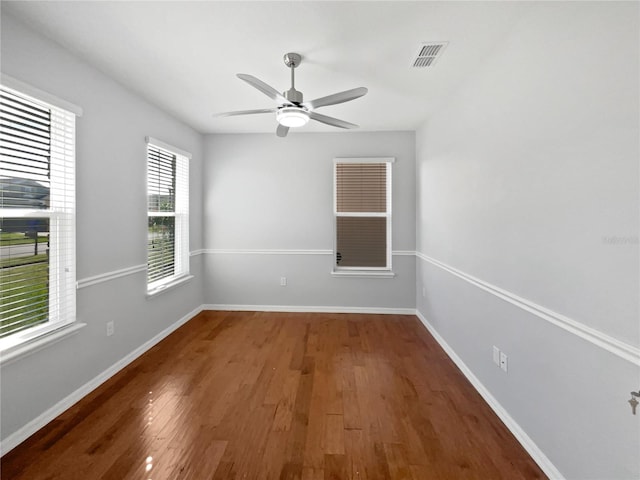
41	420
274	251
200	251
364	160
363	273
166	146
363	214
161	214
529	445
404	253
22	87
169	285
622	349
311	309
38	343
105	277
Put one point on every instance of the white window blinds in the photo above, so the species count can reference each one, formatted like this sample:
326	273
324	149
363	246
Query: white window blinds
37	216
362	214
168	216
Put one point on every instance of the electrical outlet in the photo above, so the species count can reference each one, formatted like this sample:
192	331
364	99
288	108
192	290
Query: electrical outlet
110	328
424	291
503	361
496	355
283	281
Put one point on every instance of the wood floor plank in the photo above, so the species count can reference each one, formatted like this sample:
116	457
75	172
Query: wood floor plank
312	474
335	467
268	396
334	434
397	460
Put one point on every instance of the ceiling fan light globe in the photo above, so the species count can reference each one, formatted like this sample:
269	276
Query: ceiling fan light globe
292	117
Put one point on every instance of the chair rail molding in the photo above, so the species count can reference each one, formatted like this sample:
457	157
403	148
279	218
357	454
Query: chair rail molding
280	251
617	347
112	275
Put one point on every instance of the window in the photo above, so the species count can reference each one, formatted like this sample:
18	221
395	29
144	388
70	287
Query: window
362	209
168	215
37	218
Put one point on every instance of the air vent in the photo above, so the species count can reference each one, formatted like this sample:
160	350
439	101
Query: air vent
428	54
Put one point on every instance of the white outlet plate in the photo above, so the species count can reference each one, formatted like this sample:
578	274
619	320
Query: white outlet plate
110	328
496	355
424	291
503	361
283	281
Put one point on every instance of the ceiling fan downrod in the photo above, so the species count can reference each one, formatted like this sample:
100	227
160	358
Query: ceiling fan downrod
292	60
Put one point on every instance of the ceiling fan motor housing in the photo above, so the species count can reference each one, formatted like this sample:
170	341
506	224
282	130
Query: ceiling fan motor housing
293	95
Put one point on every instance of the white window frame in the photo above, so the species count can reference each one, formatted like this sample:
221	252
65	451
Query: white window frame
386	271
62	319
181	215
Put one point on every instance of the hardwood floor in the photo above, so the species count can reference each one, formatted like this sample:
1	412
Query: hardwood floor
252	395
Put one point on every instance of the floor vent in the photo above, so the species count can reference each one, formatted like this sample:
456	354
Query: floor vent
428	54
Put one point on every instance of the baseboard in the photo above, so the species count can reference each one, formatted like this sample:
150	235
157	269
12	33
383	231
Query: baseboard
310	309
41	420
529	445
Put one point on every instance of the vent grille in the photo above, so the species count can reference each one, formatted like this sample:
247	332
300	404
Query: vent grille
428	54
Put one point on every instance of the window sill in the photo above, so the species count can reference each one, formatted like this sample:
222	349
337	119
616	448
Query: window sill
362	274
168	286
28	347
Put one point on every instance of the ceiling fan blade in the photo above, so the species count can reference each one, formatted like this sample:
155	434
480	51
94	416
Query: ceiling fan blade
268	90
282	130
334	122
245	112
336	98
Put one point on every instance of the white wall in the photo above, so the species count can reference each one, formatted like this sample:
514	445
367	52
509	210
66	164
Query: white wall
111	226
523	179
266	193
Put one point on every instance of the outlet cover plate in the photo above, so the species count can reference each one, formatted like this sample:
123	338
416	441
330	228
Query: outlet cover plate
503	361
496	355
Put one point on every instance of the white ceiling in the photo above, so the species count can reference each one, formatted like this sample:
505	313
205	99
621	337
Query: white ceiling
183	56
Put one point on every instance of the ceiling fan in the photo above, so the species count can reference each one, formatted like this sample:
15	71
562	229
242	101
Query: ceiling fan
291	111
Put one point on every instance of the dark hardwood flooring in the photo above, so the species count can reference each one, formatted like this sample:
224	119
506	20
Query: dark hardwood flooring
252	395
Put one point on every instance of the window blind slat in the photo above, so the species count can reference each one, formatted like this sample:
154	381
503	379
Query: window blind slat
15	101
24	122
10	131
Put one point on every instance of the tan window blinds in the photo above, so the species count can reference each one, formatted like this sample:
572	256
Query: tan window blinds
361	187
362	209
